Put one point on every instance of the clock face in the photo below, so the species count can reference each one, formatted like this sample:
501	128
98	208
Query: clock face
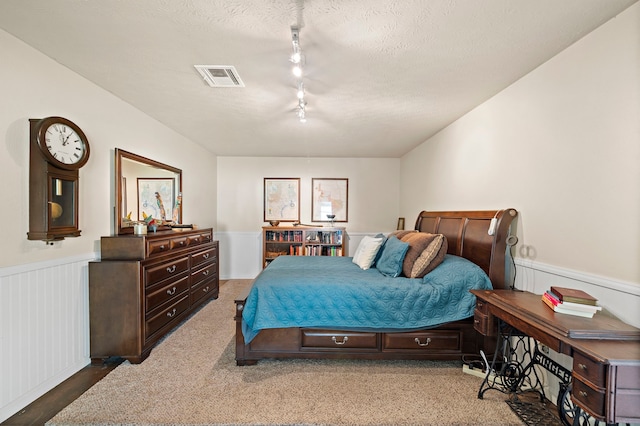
63	143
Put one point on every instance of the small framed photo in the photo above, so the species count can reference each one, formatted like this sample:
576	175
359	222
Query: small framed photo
282	199
330	200
153	193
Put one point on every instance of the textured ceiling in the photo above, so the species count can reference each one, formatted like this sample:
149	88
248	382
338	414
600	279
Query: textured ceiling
381	76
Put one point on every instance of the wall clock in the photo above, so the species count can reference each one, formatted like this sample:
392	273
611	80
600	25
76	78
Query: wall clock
58	148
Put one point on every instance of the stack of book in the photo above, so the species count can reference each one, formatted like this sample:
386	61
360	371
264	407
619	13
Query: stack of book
571	301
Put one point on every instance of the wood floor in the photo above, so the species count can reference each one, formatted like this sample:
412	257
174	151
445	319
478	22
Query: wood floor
49	404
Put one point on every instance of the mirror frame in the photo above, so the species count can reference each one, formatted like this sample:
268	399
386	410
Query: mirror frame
119	156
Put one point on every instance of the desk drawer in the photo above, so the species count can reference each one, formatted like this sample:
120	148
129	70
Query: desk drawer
337	340
431	341
591	400
481	322
586	368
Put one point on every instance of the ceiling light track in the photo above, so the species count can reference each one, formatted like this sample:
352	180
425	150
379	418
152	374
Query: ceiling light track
297	60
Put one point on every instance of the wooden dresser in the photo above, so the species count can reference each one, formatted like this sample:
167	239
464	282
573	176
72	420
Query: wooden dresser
145	285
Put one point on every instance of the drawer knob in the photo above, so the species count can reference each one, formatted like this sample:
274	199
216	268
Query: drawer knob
582	366
205	273
426	343
475	321
206	255
172	313
181	243
583	394
171	269
344	340
197	240
480	304
206	289
172	291
162	247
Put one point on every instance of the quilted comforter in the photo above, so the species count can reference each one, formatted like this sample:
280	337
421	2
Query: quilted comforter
333	292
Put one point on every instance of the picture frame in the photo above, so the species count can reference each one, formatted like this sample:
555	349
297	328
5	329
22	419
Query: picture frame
153	193
330	196
282	199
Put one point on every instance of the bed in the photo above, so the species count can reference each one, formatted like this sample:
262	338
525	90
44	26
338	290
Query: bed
296	309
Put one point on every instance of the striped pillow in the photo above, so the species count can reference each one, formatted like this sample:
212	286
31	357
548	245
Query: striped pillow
426	251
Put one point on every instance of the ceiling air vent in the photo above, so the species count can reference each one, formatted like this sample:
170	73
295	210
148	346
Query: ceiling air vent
220	75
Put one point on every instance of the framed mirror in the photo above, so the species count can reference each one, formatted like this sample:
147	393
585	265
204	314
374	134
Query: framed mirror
145	187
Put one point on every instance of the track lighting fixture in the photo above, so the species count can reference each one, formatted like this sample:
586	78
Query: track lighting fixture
297	60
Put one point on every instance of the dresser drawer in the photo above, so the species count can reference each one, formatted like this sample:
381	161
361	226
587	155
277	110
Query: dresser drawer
432	341
207	271
204	289
590	399
165	293
202	238
204	256
586	368
337	340
155	247
166	315
155	273
178	243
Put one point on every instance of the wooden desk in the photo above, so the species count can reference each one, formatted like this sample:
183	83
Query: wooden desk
605	379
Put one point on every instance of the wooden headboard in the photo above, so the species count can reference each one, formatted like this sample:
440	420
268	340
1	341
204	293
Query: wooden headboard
468	237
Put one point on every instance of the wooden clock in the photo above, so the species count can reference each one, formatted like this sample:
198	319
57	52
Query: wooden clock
58	148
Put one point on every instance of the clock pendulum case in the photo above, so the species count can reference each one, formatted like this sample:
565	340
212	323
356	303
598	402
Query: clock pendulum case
57	150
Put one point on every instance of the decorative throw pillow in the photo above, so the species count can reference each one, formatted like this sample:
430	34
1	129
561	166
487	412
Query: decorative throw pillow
403	233
384	240
390	262
367	251
426	251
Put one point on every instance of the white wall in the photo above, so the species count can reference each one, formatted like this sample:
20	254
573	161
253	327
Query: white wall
374	197
561	145
35	278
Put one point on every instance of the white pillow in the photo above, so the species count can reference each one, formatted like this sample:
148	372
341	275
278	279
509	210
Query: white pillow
366	251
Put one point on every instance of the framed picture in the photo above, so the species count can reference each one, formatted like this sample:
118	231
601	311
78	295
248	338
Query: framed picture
282	199
153	193
329	197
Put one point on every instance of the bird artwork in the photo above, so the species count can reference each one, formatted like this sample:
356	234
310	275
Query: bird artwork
163	214
176	208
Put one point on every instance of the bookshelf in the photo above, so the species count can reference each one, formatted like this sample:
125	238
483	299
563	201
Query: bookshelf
302	241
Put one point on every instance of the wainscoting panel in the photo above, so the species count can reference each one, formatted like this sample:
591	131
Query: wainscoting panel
44	328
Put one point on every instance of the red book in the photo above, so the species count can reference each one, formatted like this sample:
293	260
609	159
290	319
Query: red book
574	295
550	298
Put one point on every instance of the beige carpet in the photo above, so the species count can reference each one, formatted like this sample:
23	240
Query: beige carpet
191	379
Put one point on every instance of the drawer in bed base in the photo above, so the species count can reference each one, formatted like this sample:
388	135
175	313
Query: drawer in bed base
314	339
445	341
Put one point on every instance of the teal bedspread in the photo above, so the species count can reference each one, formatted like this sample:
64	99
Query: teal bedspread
333	292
